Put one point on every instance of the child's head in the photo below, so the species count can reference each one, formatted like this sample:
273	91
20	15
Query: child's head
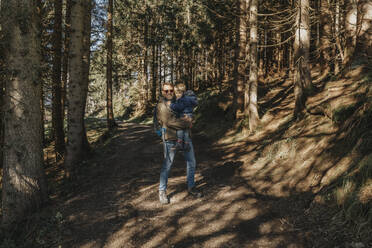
179	89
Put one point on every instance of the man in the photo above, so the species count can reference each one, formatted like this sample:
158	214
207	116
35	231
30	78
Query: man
171	124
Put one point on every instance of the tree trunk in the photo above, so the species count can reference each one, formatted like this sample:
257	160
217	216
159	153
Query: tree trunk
301	45
325	38
44	70
142	103
178	65
251	110
366	28
24	185
337	38
42	107
261	54
189	82
158	70
66	47
220	60
278	50
2	94
77	87
266	62
239	71
57	121
318	23
110	112
145	60
351	27
154	70
172	65
86	67
159	55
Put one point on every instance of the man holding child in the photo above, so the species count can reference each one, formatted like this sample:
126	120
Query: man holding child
175	117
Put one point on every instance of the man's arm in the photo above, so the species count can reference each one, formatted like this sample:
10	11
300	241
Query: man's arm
168	118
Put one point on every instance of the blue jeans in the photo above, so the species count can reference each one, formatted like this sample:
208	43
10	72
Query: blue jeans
183	135
169	154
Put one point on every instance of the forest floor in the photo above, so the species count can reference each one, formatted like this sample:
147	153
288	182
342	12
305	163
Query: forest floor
117	204
259	190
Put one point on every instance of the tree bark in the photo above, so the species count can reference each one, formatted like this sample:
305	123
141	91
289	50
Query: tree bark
265	52
66	47
145	60
159	58
57	119
278	51
2	94
24	185
154	72
325	38
251	110
172	65
302	80
240	54
77	88
351	27
337	38
109	106
86	67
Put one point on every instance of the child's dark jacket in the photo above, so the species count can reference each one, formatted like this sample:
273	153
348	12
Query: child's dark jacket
185	104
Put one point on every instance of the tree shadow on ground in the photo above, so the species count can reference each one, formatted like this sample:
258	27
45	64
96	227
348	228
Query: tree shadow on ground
117	206
259	192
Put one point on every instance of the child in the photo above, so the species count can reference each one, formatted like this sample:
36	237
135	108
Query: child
185	102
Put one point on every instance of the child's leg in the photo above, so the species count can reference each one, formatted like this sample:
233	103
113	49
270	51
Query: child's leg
186	137
180	134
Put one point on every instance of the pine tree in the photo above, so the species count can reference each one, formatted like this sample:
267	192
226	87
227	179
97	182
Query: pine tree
78	85
251	89
110	113
57	117
24	186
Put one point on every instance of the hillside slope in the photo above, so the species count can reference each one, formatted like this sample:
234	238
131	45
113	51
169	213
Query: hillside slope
292	183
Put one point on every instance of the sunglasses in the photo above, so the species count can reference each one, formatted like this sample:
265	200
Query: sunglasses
168	91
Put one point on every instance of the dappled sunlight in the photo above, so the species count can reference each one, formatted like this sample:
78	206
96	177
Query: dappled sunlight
218	241
337	170
227	216
200	219
252	183
297	156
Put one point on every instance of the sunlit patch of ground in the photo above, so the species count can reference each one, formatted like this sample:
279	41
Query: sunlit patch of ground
119	207
258	188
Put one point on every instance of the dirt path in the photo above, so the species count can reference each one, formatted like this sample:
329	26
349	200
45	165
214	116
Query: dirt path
117	205
259	190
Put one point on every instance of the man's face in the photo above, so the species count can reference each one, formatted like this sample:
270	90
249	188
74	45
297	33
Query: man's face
168	91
